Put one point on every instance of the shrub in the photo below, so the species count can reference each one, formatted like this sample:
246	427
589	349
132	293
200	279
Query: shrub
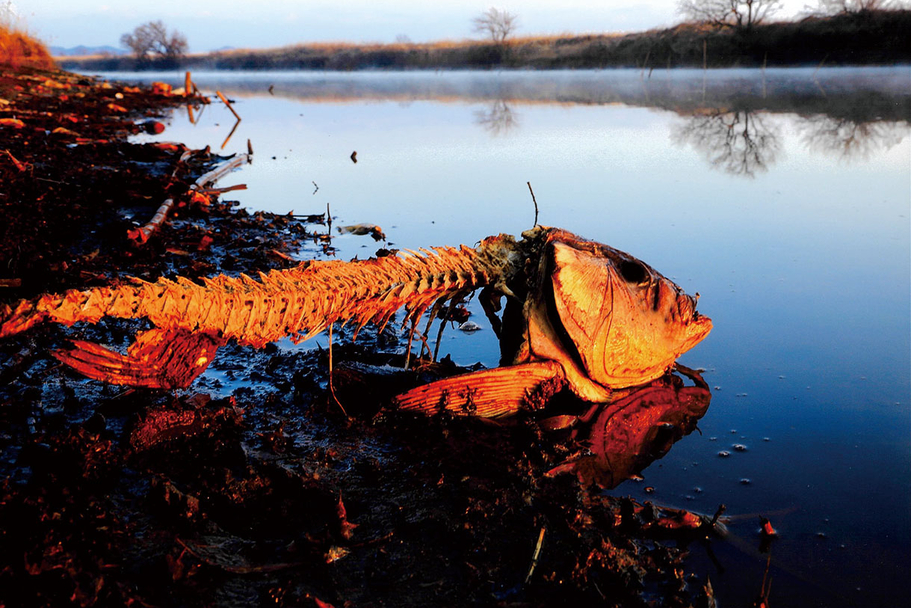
19	49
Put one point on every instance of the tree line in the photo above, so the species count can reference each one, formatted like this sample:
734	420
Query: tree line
153	44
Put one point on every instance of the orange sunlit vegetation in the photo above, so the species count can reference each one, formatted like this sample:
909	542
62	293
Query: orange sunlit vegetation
17	48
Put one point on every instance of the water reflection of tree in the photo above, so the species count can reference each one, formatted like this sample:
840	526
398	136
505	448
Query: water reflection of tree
849	139
498	119
740	142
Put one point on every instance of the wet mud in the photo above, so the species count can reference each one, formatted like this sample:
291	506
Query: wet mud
256	486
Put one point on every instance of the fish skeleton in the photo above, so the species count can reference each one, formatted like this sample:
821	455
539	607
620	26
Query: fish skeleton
578	315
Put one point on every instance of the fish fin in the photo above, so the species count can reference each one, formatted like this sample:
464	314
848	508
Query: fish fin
160	358
490	393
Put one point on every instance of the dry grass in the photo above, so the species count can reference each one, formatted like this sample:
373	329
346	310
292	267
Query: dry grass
18	49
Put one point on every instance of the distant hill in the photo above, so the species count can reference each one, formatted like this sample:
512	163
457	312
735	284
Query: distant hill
81	50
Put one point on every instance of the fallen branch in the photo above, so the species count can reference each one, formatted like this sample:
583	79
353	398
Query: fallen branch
220	171
142	234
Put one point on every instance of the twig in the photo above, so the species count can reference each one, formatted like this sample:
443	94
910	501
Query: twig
534	201
331	385
534	559
53	181
816	80
249	147
223	190
705	55
228	103
231	134
202	109
721	509
187	85
16	162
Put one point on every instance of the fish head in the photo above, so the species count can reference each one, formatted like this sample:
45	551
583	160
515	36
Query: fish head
619	321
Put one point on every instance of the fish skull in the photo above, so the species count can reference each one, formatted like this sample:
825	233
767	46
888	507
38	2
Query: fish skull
611	320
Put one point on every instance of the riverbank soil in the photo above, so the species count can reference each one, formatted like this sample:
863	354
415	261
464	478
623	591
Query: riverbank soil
253	487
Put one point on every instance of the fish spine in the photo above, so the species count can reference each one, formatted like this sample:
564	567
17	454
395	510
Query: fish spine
298	302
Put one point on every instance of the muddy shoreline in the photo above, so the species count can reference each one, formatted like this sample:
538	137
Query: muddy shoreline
253	487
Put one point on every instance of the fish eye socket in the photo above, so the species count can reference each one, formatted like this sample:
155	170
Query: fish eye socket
633	272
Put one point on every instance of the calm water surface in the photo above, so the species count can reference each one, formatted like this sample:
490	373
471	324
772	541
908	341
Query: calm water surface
782	197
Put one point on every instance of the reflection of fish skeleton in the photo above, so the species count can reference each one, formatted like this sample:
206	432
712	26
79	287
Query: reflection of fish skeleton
623	437
578	313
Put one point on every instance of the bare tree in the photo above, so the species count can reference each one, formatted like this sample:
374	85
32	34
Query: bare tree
153	41
740	14
496	23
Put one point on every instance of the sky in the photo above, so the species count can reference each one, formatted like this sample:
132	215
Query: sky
215	24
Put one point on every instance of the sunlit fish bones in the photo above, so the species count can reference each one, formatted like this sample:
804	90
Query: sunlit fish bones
579	315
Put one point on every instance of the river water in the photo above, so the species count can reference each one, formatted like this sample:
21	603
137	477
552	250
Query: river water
781	196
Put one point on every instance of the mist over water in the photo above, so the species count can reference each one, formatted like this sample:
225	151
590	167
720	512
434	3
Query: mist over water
781	196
